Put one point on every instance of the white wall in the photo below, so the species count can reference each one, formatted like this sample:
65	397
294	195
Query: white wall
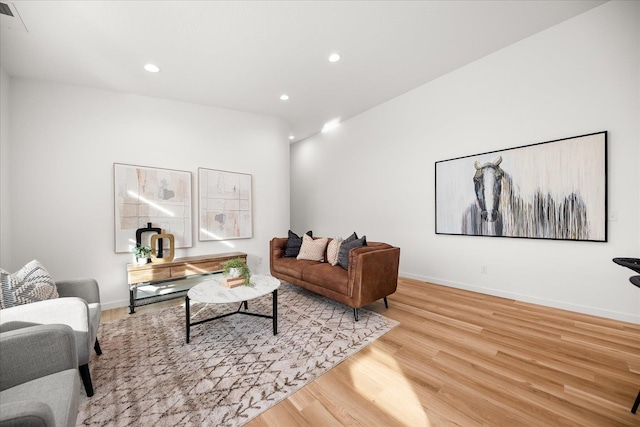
64	141
375	173
5	212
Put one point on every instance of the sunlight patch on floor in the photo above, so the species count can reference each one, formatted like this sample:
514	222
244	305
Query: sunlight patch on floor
375	377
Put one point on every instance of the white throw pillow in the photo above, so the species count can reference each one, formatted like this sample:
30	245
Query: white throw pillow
29	284
332	250
312	249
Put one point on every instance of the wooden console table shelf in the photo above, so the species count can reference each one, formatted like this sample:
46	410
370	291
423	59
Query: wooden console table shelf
179	268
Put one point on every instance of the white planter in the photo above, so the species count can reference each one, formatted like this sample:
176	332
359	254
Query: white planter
143	261
234	272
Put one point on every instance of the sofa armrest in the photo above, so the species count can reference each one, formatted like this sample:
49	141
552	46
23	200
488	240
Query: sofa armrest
34	352
27	413
87	289
276	250
373	272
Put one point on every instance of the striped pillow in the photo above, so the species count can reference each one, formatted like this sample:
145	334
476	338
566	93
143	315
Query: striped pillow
312	249
29	284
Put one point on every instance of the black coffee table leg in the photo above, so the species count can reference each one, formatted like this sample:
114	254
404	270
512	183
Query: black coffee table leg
275	312
188	311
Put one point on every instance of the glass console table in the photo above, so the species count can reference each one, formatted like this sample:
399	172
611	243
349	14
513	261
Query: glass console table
159	281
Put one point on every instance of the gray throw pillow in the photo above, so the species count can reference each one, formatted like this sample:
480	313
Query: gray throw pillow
351	238
345	248
294	242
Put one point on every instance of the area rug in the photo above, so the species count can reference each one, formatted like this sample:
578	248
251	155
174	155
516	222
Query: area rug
232	370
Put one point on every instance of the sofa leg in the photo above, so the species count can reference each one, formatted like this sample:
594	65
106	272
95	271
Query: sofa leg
96	347
386	303
86	379
355	314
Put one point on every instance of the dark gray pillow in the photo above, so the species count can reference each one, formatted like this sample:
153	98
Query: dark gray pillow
351	238
294	242
345	248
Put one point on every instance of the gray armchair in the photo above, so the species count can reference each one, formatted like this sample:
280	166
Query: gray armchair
77	307
38	379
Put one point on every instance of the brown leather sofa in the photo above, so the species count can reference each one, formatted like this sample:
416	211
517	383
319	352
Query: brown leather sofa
372	273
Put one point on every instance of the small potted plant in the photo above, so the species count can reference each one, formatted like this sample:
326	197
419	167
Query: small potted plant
142	254
237	268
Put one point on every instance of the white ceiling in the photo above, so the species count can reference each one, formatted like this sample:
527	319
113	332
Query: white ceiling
244	55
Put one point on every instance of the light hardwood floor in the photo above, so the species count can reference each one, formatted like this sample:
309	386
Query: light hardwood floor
466	359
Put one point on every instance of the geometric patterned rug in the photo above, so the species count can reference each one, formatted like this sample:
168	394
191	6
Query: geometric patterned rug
232	370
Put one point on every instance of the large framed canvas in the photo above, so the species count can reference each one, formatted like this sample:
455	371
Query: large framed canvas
224	209
550	190
145	195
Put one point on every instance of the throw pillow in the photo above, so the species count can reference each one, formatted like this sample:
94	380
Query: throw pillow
345	248
332	250
312	249
29	284
292	248
351	238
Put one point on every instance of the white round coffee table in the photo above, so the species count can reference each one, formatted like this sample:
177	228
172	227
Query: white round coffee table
211	291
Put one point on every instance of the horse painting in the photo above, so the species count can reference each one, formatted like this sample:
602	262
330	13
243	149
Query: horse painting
499	209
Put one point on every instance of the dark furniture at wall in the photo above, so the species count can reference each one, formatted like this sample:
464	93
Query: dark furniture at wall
633	264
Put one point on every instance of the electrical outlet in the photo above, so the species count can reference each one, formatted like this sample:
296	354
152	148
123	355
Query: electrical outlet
259	260
483	269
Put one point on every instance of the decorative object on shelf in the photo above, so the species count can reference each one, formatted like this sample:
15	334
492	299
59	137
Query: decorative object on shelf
142	254
156	247
142	193
235	269
148	229
224	205
550	190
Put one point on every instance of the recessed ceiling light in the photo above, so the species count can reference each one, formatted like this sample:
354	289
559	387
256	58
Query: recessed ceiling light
291	137
284	97
331	125
334	57
152	68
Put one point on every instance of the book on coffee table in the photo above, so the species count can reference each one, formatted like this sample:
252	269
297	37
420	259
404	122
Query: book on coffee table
232	282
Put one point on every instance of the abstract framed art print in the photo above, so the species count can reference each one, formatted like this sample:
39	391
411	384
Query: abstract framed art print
224	205
145	195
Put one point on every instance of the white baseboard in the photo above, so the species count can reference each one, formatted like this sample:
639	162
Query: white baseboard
115	304
625	317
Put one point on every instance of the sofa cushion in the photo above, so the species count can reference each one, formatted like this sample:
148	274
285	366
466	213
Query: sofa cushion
290	266
332	250
327	276
31	283
345	248
312	249
294	242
